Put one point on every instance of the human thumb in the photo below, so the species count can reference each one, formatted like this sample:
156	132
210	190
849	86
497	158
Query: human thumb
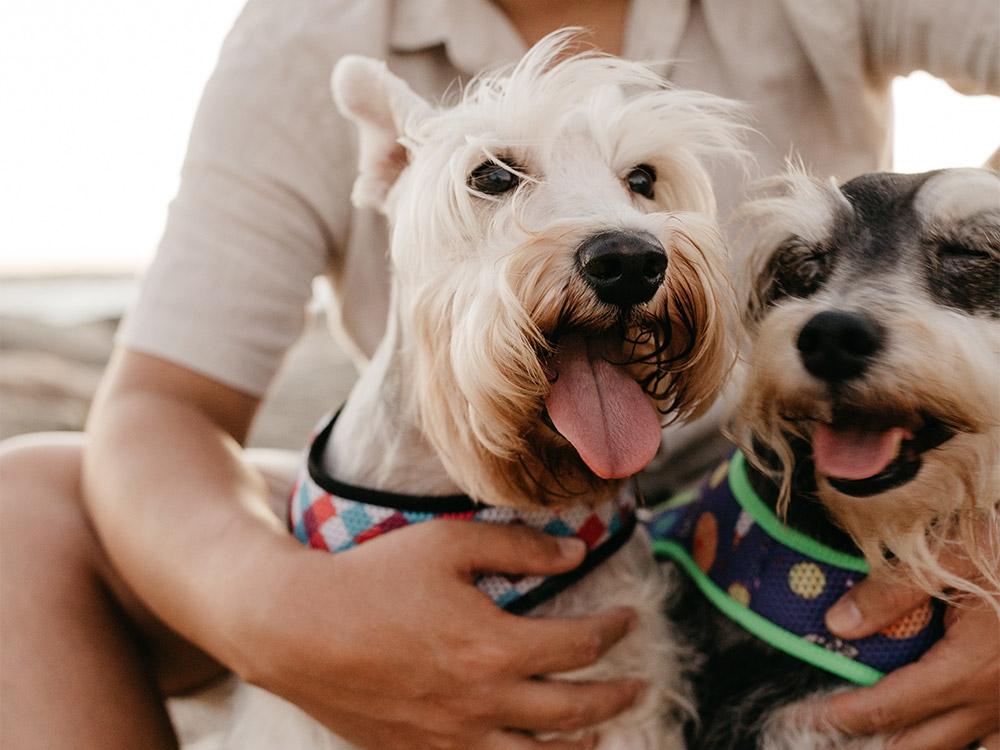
872	605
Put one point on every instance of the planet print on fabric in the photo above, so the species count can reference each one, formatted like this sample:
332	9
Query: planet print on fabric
720	473
833	644
740	593
706	541
744	522
779	587
911	624
806	579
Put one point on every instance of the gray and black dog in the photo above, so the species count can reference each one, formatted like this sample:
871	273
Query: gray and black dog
869	428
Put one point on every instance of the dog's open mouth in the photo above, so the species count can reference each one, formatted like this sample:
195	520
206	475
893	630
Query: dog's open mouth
599	408
861	455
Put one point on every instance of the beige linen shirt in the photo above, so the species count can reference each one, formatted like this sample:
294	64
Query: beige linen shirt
263	205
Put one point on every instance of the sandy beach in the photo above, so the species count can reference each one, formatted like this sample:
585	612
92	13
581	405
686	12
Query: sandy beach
56	334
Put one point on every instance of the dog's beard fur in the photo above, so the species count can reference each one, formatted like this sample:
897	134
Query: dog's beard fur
485	421
486	285
949	510
940	530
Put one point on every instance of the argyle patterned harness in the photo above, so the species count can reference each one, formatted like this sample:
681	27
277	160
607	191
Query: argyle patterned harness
777	582
331	515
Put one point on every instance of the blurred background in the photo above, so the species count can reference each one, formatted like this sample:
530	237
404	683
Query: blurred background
97	101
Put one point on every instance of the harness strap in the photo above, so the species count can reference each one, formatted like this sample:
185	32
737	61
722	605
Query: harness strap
331	515
776	582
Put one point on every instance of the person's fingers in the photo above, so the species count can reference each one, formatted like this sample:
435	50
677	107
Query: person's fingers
545	645
872	605
875	603
508	740
494	548
953	730
559	706
898	700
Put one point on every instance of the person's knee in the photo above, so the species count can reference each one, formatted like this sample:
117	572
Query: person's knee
41	459
50	548
53	558
40	499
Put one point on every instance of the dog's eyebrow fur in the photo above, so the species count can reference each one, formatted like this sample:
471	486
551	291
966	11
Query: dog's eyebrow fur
792	207
558	78
981	227
964	264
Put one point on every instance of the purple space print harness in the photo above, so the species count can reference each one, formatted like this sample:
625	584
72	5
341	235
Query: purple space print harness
777	582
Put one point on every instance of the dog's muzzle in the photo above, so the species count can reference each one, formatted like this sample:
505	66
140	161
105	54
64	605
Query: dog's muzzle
623	268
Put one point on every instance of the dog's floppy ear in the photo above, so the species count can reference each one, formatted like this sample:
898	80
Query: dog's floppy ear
381	105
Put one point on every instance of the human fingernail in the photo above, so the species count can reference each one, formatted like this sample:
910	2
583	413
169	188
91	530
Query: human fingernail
844	617
570	547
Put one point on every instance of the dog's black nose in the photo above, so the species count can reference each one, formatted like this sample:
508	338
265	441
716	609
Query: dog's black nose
836	346
623	268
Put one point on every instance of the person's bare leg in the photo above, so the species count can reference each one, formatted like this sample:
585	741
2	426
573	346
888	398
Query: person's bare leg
82	663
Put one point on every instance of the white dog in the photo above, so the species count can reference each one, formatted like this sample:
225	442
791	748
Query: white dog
557	296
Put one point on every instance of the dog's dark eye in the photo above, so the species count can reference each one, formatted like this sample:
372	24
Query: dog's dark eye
963	273
959	252
493	178
801	277
795	270
640	180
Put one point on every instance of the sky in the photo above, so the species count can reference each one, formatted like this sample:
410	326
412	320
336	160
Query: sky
97	99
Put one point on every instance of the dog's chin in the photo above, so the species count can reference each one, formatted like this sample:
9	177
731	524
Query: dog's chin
547	471
564	475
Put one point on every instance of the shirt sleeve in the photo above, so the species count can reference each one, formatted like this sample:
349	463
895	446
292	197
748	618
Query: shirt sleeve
262	208
958	40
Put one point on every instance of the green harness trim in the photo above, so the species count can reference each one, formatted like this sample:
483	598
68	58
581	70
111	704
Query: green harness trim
777	529
767	631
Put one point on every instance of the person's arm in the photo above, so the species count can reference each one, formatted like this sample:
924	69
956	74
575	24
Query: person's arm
389	644
164	480
958	41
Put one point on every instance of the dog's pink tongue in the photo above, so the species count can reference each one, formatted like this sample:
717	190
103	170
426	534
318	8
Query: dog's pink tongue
854	453
601	410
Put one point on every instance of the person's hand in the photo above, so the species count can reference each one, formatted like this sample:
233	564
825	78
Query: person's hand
944	701
390	644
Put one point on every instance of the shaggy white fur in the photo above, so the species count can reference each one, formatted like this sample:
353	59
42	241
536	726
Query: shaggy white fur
484	286
482	282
